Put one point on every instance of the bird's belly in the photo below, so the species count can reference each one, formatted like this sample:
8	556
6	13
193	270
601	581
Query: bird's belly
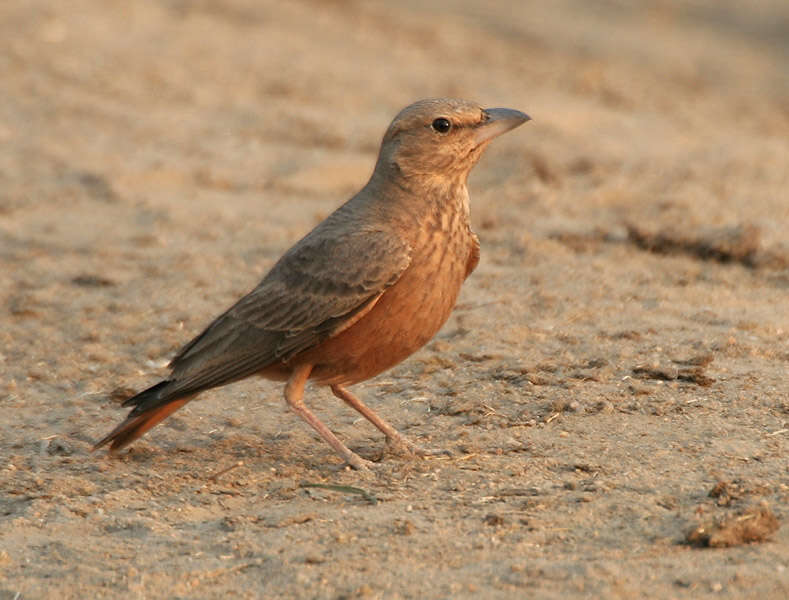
404	319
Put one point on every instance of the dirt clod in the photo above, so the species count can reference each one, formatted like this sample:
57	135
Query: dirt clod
739	243
752	525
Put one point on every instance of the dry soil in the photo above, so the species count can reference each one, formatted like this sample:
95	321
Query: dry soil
613	378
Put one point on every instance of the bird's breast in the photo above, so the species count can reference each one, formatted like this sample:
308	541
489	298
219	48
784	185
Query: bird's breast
408	314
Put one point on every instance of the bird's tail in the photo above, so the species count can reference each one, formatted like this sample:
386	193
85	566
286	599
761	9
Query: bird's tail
151	407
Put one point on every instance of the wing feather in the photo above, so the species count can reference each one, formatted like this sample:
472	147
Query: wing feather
317	288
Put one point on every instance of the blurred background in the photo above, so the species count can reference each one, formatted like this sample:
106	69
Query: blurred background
674	107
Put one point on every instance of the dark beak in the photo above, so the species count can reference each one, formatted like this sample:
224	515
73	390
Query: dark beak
500	120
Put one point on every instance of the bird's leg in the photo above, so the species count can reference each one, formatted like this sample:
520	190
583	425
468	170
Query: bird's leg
294	393
393	436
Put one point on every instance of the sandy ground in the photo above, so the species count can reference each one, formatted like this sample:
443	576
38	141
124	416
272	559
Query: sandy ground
613	376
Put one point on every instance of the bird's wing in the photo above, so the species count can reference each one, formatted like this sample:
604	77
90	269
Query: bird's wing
473	255
314	291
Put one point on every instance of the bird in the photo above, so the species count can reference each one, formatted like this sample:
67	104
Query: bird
362	291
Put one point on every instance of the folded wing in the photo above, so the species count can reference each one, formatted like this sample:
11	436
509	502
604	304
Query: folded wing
313	292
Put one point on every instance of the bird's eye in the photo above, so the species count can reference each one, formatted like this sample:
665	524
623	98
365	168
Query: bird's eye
441	125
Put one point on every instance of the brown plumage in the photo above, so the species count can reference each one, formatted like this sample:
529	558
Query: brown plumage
362	291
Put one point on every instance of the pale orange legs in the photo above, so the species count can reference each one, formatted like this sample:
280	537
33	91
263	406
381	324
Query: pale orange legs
294	395
393	437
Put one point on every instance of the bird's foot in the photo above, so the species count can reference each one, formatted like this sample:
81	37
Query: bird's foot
357	463
362	464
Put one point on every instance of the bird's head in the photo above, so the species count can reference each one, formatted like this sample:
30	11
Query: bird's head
443	137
